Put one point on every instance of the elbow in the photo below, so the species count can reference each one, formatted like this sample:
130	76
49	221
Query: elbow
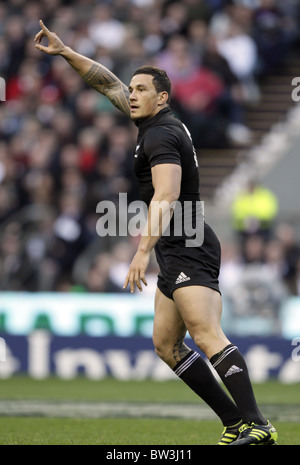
169	196
173	196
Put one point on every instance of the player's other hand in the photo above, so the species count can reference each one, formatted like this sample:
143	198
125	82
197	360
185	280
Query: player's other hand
137	271
55	45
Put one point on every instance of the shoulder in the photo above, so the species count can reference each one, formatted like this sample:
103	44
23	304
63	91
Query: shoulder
161	135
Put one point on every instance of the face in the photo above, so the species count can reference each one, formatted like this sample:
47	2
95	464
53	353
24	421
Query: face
145	102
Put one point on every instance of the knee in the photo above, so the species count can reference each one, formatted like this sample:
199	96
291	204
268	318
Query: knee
209	342
203	337
200	341
164	350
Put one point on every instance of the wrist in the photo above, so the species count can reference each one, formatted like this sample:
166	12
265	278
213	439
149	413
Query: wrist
66	51
144	248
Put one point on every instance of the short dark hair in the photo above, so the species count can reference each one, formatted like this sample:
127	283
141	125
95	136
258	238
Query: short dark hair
161	80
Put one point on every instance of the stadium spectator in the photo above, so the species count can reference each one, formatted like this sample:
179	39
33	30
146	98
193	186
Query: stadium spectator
104	30
196	91
270	35
254	211
287	236
231	103
232	26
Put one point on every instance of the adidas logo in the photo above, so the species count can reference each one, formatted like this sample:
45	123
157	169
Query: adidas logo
232	370
182	278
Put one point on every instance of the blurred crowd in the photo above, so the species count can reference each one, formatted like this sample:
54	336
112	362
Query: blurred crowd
261	261
64	148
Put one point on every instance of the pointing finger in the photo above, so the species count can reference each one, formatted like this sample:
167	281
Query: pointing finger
44	28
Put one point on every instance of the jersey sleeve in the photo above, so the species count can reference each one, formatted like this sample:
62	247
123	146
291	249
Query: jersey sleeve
162	146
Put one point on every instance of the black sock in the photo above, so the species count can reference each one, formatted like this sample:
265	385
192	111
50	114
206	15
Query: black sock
195	372
231	367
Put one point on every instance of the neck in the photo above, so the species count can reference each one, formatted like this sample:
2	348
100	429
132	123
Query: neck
147	118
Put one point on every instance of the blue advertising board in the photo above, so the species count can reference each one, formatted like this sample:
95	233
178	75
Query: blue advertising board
41	354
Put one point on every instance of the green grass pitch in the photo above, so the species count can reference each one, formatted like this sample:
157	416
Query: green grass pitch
24	422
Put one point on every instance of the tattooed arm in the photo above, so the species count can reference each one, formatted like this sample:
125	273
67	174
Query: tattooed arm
100	78
95	75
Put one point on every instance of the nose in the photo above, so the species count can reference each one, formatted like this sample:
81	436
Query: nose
132	95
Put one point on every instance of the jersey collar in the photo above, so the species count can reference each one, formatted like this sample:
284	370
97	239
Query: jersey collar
144	124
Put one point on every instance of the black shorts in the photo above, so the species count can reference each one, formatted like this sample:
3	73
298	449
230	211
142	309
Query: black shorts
188	266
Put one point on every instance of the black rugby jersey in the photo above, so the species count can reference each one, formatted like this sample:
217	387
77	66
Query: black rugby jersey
165	139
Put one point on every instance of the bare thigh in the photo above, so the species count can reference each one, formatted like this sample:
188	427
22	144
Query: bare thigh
169	330
201	309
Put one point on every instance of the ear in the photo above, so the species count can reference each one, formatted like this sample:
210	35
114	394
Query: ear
163	98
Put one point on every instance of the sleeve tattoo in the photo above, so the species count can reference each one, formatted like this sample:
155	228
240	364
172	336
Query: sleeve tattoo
105	82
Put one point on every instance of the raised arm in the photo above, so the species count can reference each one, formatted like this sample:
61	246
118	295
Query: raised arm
95	75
